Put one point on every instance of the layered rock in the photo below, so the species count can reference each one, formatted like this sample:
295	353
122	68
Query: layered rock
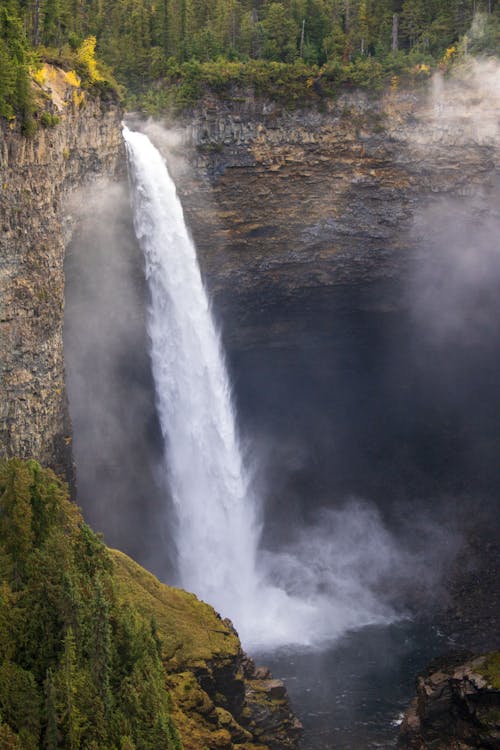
457	707
80	142
284	203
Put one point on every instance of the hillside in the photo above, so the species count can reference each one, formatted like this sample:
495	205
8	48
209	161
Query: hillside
95	652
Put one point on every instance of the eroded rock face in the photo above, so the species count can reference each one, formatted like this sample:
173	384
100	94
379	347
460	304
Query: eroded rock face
457	708
38	176
284	204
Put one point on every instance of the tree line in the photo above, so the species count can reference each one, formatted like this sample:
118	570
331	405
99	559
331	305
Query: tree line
141	40
79	669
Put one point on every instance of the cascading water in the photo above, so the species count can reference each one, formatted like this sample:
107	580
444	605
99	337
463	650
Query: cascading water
218	532
302	597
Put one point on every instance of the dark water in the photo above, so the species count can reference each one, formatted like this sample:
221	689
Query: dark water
351	696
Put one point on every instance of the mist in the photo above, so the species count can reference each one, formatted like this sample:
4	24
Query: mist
117	445
456	276
369	440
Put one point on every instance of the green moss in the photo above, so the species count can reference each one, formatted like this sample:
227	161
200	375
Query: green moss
190	631
49	120
490	669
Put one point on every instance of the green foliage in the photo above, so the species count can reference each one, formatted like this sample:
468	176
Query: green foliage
79	669
280	33
490	669
49	120
15	92
168	54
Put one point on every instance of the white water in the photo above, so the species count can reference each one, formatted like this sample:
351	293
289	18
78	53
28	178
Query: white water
302	597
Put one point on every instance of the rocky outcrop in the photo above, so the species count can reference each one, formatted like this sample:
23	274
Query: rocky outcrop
266	712
81	140
457	707
219	699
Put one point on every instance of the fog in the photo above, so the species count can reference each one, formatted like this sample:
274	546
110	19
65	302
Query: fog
116	439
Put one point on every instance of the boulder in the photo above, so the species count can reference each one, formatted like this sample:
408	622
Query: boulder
457	707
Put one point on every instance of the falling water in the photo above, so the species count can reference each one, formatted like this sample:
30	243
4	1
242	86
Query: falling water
272	599
218	532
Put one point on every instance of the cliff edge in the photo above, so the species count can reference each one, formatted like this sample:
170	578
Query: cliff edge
77	141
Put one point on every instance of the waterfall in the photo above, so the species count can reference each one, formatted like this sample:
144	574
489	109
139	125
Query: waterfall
273	599
217	528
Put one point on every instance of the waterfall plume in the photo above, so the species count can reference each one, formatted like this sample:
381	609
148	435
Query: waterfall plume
304	596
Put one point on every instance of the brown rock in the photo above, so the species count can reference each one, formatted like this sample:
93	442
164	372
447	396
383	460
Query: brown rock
456	708
37	178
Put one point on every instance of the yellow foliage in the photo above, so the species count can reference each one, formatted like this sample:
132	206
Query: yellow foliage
78	97
86	57
422	70
72	78
38	75
448	57
309	82
394	83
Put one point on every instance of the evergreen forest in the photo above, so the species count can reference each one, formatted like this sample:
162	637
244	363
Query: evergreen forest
79	667
151	51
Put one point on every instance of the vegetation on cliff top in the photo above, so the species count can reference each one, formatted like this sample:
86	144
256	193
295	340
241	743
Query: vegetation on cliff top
80	664
169	53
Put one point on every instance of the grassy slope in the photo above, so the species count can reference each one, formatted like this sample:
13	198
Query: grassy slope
191	632
195	640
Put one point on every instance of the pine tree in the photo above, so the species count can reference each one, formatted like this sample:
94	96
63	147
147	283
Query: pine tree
50	713
67	681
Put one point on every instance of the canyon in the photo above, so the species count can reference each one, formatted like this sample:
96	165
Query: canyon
311	226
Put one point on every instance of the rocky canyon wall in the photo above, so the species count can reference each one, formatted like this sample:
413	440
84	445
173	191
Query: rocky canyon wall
349	249
38	177
285	202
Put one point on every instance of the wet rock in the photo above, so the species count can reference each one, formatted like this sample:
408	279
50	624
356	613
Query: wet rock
457	707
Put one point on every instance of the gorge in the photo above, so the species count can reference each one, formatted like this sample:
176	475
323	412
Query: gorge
317	233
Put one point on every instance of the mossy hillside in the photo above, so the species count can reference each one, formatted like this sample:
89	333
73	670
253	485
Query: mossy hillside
96	652
195	714
490	669
79	668
201	653
191	633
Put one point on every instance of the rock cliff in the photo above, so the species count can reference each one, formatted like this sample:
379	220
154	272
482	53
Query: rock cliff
282	203
38	176
457	707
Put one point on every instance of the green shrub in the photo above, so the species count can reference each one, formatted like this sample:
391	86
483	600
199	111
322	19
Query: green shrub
49	120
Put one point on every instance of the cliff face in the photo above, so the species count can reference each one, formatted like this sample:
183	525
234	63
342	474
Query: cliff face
281	203
37	179
457	707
